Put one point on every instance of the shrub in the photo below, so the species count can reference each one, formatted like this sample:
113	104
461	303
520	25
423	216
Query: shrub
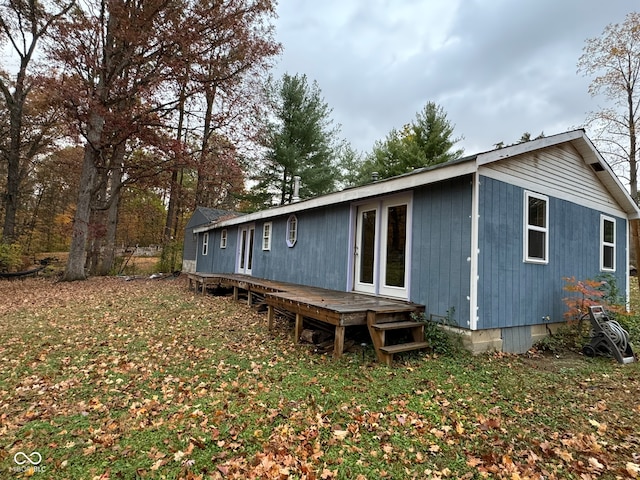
171	257
603	290
442	341
10	256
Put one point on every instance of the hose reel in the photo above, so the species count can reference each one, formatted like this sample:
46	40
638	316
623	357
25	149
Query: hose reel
607	337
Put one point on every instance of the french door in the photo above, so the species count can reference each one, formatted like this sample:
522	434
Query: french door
381	253
244	261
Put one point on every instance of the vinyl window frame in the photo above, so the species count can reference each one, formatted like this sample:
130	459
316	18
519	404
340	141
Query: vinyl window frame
223	238
528	227
292	230
205	244
604	244
267	229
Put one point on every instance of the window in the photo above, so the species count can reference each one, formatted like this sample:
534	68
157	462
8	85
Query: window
205	243
536	234
223	238
266	236
607	244
292	230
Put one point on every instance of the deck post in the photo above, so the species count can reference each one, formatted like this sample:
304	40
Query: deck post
235	293
298	329
338	344
248	297
270	316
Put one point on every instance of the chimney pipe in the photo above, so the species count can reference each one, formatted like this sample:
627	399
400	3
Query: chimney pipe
296	189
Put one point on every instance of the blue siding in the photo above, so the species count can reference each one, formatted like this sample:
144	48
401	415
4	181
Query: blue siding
441	246
514	293
218	260
190	239
320	255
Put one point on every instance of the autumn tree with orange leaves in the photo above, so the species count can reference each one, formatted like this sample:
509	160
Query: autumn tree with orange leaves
121	62
23	26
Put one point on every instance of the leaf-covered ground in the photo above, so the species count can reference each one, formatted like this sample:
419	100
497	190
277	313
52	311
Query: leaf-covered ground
114	379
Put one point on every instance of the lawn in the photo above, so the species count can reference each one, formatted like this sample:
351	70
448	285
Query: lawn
110	379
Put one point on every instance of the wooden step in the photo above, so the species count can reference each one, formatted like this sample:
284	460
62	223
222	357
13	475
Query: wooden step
404	347
397	325
395	308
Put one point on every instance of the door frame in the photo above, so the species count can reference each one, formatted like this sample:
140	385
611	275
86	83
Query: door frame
381	205
358	285
245	249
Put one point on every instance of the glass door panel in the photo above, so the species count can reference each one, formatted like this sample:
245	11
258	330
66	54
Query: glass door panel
381	254
245	250
365	249
394	265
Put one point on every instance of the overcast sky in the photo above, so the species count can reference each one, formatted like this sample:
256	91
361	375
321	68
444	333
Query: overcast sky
499	68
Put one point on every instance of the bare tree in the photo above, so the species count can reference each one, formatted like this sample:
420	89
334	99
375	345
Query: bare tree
613	60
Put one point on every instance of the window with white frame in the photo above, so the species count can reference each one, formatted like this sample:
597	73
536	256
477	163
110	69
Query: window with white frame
223	238
536	228
205	243
266	236
607	243
292	230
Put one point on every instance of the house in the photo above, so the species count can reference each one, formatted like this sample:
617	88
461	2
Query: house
201	216
484	240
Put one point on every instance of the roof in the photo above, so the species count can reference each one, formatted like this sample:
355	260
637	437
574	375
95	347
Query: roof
207	216
455	168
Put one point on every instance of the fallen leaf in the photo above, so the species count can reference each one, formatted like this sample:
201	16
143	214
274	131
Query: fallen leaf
340	434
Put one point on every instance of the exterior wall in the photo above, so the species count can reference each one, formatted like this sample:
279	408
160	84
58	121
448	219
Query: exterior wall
558	171
512	293
441	268
320	256
218	260
190	240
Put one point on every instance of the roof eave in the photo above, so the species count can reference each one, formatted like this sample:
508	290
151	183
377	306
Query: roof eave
388	186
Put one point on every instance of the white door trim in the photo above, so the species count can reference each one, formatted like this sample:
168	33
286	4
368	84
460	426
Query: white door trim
244	252
381	207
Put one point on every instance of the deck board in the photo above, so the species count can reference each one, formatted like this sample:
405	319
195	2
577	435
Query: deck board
340	309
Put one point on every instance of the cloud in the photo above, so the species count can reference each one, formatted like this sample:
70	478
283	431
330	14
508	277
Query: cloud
498	68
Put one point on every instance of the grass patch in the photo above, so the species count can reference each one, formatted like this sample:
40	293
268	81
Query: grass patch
146	379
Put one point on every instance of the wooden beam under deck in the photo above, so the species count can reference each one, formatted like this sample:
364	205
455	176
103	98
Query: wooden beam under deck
340	309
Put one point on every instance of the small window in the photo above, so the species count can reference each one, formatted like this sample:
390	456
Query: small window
607	244
266	236
536	234
205	243
223	238
292	230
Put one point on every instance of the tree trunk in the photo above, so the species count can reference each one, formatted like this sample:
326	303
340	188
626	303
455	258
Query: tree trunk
15	105
204	170
95	240
109	254
74	269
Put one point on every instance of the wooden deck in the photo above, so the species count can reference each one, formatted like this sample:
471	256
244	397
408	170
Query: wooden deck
340	309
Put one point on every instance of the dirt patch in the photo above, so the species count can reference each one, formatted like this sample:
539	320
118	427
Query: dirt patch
553	362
